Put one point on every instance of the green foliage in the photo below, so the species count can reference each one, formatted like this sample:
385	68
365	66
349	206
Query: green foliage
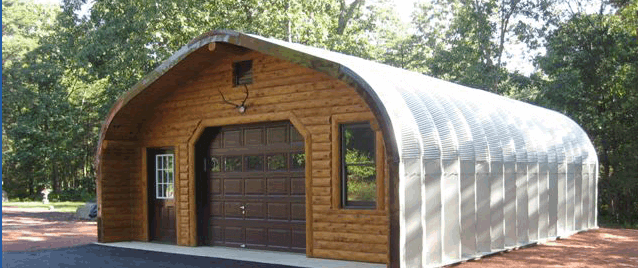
358	157
23	24
361	190
465	40
62	72
592	75
72	194
361	182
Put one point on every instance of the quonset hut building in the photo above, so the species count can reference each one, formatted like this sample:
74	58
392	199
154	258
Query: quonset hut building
243	141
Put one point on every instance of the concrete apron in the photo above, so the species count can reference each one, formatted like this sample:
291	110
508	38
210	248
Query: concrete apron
262	256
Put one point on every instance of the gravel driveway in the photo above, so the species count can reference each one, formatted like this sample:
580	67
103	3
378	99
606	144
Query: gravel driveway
29	229
26	230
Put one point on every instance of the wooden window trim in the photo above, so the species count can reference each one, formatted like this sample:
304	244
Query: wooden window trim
336	121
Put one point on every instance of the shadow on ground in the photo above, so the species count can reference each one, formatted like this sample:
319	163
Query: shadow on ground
33	230
105	256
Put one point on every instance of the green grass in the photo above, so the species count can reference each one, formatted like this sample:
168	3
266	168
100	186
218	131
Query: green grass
58	206
361	190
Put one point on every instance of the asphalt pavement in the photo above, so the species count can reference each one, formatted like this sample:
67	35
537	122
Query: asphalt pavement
92	255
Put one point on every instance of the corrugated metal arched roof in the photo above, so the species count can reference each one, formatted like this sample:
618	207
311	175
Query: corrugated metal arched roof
427	120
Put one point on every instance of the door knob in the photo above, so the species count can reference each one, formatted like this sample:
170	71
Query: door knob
242	207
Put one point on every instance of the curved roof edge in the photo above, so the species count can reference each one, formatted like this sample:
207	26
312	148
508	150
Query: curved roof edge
268	47
412	108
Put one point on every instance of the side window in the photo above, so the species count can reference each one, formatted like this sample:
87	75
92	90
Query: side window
164	176
358	166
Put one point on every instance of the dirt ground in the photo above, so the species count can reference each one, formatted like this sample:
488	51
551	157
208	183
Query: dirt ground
602	247
35	229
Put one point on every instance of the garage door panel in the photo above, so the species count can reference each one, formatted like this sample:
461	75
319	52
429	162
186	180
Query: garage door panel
254	137
233	187
298	212
256	236
299	239
278	211
298	186
217	209
277	134
257	187
255	210
232	138
278	186
215	186
233	210
234	235
216	233
279	237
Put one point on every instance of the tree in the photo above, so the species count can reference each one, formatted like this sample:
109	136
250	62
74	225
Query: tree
60	84
466	40
23	25
592	75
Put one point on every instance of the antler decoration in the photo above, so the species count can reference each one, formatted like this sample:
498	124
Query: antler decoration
240	107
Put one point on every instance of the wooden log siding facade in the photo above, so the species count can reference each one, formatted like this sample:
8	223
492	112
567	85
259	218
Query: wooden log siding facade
281	91
461	173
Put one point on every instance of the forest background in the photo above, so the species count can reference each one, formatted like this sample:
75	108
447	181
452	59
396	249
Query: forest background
64	65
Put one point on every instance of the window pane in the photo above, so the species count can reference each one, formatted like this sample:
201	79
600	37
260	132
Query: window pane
163	190
158	162
214	164
232	163
169	190
361	183
358	166
169	176
254	163
276	162
297	161
169	162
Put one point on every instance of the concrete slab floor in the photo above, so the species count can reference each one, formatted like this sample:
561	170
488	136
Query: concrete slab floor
272	257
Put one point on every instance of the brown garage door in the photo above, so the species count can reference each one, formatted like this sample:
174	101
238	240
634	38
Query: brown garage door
256	186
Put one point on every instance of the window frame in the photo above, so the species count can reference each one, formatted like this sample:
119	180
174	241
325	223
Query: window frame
240	69
336	163
344	168
168	182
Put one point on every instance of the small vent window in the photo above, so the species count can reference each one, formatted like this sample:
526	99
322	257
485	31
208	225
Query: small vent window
243	72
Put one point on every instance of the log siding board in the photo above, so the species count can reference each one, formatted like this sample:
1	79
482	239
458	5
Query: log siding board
281	91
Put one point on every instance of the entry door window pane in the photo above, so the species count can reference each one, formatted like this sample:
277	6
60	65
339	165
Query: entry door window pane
164	176
358	167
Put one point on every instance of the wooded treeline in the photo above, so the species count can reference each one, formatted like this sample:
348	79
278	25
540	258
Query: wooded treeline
62	69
